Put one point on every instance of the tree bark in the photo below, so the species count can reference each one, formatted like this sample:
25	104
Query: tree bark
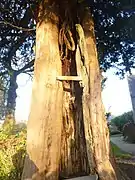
11	99
85	136
74	161
96	130
45	120
2	99
66	137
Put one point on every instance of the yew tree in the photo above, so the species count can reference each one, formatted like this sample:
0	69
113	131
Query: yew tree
17	35
67	131
115	37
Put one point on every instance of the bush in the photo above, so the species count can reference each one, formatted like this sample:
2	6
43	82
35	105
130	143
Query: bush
113	129
12	153
129	132
121	120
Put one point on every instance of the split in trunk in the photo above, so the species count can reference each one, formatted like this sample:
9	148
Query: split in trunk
67	137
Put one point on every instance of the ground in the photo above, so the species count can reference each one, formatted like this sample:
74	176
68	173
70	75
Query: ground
125	155
12	146
123	145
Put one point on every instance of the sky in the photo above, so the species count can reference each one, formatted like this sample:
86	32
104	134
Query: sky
116	97
23	100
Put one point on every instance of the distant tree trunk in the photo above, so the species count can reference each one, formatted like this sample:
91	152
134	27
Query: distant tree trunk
11	98
66	137
2	99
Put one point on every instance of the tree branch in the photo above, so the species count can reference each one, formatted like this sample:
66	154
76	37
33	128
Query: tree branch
29	65
128	7
29	70
29	75
17	27
17	44
3	73
1	89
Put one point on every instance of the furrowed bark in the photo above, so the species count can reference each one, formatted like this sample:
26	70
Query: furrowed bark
66	137
96	131
45	120
74	160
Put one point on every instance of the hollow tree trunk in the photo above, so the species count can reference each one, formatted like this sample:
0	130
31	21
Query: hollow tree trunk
78	144
85	137
74	161
11	99
45	120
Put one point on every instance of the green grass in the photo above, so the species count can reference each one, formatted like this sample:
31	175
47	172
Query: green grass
118	153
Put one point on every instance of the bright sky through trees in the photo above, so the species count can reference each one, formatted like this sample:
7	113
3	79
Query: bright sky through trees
116	96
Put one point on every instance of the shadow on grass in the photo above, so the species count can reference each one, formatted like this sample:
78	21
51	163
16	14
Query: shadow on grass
118	153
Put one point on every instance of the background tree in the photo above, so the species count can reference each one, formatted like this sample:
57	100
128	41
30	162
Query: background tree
123	119
2	98
114	35
17	35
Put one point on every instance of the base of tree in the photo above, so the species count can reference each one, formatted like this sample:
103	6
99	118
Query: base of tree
91	177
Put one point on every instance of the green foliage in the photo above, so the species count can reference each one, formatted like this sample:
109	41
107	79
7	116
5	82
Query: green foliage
118	153
17	35
17	29
114	28
113	130
119	121
12	153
